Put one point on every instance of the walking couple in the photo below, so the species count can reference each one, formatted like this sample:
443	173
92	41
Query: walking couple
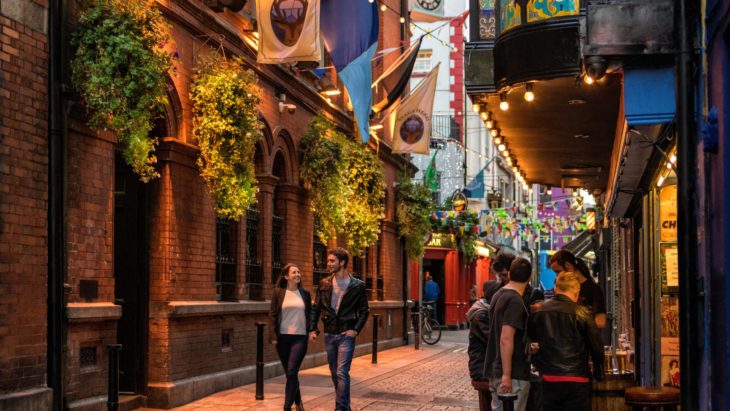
342	303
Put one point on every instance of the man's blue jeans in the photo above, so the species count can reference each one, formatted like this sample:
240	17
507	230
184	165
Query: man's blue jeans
340	349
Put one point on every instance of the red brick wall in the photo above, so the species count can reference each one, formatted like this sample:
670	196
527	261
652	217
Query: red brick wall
90	211
23	204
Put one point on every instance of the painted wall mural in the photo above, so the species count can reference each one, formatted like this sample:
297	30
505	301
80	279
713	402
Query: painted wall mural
515	12
487	20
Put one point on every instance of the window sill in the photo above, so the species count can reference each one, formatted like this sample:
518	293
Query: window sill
88	312
207	308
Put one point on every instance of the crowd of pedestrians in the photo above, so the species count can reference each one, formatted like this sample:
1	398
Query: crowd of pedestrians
516	336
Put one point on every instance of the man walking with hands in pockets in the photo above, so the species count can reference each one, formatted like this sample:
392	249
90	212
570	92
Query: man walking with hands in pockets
342	302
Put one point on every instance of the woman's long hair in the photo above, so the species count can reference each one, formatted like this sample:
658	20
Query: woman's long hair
281	282
564	256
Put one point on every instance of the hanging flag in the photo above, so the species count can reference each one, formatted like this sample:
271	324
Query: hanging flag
350	33
395	80
410	122
289	31
475	188
430	176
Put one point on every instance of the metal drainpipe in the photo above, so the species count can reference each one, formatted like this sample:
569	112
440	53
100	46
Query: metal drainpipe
689	299
56	137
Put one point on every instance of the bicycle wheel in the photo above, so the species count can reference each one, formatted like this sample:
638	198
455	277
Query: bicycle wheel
431	333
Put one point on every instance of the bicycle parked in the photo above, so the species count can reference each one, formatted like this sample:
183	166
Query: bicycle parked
430	328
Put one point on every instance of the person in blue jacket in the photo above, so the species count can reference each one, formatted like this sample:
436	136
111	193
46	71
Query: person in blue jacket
431	293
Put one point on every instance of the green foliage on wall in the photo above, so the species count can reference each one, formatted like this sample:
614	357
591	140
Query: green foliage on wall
413	209
119	70
345	182
225	100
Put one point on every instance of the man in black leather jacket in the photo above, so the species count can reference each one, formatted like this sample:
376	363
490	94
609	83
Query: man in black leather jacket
565	336
342	302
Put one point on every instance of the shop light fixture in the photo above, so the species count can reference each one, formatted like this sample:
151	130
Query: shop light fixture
575	192
383	7
330	91
494	132
498	140
475	107
489	123
549	191
503	104
588	79
515	170
501	147
505	153
371	1
484	115
402	20
660	181
509	161
525	186
529	94
673	159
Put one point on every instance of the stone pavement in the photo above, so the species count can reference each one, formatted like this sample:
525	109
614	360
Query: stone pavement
433	378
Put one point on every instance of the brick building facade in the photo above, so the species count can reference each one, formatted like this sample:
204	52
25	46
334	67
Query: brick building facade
149	265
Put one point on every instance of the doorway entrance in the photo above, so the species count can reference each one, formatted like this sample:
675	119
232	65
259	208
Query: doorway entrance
435	267
131	285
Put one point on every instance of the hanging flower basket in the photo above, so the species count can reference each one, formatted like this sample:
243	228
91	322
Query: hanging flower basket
226	125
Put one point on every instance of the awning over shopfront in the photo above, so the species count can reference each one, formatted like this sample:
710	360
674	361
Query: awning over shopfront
648	109
581	245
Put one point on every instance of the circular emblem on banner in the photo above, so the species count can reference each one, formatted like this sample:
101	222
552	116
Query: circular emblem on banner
429	5
459	202
411	130
287	20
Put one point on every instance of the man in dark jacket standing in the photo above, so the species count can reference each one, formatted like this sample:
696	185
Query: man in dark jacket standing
343	304
478	317
565	336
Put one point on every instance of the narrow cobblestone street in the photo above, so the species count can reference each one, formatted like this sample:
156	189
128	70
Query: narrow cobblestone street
433	378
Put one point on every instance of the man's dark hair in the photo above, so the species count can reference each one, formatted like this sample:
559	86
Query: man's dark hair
520	270
502	261
341	254
490	288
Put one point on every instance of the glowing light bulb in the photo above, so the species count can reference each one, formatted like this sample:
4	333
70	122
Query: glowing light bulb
402	19
588	79
529	94
475	107
484	116
383	7
489	124
494	132
498	140
503	104
501	147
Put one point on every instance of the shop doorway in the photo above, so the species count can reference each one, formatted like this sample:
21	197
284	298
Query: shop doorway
436	269
131	286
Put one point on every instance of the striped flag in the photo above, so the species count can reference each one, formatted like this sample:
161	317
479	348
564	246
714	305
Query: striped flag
350	33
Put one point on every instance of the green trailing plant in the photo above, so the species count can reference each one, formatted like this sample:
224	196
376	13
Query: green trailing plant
365	191
345	182
119	70
225	100
321	173
414	206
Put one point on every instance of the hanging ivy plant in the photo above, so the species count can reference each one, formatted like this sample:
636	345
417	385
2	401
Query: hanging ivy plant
365	188
413	209
345	182
225	100
321	172
119	70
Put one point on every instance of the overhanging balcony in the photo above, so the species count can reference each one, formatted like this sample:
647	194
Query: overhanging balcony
572	55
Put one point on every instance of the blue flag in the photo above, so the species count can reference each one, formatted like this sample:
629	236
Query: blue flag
350	33
475	188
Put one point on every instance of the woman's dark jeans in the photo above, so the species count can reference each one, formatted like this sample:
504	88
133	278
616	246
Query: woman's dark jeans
291	349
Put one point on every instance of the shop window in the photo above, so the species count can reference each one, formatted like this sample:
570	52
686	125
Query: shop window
277	224
319	264
225	260
254	267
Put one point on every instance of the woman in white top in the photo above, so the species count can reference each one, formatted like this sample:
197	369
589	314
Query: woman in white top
291	306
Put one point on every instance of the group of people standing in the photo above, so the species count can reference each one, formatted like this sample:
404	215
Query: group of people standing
513	329
340	301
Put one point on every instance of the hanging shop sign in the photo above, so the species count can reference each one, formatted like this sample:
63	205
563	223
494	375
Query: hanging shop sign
459	202
442	241
668	213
